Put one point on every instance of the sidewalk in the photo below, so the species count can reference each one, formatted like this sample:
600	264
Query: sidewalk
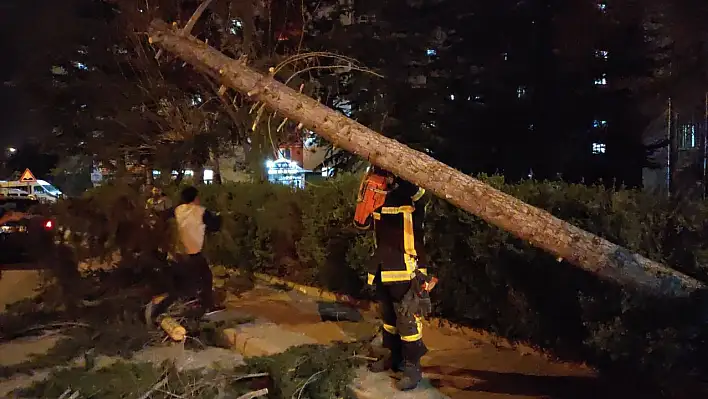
457	367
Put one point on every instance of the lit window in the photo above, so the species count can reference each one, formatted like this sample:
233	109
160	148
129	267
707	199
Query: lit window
599	148
602	54
601	81
521	91
687	136
80	65
236	25
599	123
431	52
208	176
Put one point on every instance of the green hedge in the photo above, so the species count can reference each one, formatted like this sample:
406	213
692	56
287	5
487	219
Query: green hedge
489	279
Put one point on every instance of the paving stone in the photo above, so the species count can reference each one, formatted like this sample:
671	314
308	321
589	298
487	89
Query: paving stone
185	359
368	385
262	339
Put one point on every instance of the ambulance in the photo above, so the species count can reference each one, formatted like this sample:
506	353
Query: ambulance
28	186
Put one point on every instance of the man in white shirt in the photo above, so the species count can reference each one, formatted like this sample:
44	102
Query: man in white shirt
192	272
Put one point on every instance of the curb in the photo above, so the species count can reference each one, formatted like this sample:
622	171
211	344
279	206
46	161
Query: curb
316	292
253	340
476	334
244	344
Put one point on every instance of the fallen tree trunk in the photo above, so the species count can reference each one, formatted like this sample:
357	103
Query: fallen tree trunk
543	230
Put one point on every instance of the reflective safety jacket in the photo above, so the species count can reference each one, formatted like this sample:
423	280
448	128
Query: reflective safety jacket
159	204
398	226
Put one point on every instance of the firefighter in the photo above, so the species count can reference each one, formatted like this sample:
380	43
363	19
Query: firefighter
158	207
391	206
158	201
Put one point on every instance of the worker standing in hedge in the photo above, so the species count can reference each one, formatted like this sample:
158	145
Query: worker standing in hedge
158	207
191	271
158	202
388	204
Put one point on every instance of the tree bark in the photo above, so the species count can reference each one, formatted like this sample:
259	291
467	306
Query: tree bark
543	230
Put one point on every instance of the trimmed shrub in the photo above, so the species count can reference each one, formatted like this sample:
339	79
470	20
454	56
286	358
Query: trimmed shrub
489	278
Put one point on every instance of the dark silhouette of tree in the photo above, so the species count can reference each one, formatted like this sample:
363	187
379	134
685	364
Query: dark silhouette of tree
506	86
538	88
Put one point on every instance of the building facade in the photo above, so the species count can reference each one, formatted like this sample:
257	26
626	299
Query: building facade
676	143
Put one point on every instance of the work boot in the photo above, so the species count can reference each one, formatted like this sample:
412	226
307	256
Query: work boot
385	364
411	377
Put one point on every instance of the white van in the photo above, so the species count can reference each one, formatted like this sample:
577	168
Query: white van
40	189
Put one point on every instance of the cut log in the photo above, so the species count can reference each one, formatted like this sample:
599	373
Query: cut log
173	329
538	227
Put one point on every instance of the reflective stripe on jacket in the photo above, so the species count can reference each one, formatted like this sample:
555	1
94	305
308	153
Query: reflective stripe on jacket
399	237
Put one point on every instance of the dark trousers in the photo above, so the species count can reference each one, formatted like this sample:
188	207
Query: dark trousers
192	277
402	332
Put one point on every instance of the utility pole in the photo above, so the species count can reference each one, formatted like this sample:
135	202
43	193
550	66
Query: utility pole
671	155
704	143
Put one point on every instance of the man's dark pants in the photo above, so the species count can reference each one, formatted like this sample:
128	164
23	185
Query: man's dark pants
192	277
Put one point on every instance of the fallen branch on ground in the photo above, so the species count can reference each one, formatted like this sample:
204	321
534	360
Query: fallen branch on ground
254	394
254	375
68	395
43	327
154	388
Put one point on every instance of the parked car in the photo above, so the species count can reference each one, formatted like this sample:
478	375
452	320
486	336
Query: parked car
27	240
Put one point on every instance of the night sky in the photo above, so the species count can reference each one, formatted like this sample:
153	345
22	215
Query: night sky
17	120
8	117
